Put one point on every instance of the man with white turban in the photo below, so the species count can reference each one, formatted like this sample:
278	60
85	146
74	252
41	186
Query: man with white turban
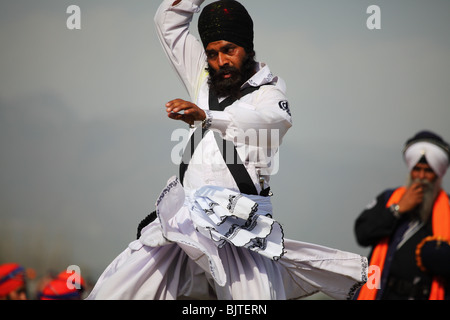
409	228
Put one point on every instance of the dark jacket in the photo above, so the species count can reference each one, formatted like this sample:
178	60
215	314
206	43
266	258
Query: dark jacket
402	278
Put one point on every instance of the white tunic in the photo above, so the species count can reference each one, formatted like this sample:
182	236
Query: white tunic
209	240
263	114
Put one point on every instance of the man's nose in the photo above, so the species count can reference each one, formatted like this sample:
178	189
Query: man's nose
223	59
421	174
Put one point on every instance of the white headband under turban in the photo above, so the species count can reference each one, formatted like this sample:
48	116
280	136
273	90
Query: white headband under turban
436	157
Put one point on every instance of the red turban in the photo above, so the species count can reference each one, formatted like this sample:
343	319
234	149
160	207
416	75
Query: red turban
12	277
63	287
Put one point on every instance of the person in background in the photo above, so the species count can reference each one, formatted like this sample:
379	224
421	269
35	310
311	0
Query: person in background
66	286
409	228
13	285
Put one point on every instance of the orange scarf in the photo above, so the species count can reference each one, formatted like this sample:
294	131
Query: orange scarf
441	229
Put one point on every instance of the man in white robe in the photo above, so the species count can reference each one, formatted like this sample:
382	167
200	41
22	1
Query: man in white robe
214	235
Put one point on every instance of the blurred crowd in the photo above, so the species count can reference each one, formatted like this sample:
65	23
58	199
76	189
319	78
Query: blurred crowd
20	283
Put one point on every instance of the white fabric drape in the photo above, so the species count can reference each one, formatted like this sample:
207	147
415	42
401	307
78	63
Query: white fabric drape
216	243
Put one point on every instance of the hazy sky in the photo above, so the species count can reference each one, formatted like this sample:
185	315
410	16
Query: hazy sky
85	142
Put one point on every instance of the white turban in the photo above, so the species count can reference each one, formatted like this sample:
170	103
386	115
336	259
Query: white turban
436	157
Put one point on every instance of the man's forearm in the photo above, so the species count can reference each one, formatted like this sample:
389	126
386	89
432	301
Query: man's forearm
374	224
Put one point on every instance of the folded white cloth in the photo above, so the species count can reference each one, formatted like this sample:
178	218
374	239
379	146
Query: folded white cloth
216	243
436	157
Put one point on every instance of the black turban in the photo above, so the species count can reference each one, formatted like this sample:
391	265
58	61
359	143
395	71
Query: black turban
226	20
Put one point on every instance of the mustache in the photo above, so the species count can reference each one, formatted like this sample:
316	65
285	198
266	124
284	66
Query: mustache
222	86
422	181
427	184
224	70
230	86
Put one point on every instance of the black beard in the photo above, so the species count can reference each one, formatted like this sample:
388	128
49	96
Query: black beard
231	87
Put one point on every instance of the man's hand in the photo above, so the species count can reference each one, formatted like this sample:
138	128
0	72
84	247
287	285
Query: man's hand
412	198
191	112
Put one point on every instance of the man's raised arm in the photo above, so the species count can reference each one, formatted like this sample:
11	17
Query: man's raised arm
184	51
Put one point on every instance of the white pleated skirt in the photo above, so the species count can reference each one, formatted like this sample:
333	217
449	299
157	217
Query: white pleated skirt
214	243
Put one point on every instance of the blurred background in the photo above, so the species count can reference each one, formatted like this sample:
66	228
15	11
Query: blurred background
85	144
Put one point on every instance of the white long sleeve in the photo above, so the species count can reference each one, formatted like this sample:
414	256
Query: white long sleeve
184	51
261	113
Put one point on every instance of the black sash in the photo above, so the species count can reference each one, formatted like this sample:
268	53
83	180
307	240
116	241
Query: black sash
236	167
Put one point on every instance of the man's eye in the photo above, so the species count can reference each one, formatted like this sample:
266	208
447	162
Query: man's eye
230	50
